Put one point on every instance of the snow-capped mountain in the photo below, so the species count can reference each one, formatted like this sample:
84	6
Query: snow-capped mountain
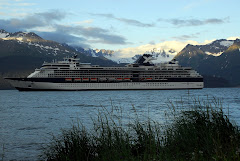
161	55
218	59
22	52
3	34
216	48
32	41
28	48
20	36
29	43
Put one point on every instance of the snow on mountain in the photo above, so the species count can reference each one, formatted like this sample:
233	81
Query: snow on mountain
217	47
3	34
161	55
226	43
163	52
214	54
22	36
35	42
122	60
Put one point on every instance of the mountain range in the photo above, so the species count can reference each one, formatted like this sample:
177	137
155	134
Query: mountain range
161	55
22	52
219	59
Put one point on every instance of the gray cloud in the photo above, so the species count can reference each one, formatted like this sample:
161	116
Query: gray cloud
152	42
64	38
186	37
125	20
101	35
62	33
34	20
195	22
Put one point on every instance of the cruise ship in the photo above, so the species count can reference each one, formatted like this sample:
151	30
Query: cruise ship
72	75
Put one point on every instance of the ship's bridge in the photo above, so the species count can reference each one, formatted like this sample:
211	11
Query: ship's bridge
67	63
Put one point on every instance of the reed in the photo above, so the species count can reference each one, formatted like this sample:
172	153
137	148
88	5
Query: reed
199	132
203	132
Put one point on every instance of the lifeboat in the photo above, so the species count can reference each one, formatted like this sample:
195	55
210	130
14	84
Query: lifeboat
68	79
93	79
148	78
85	79
127	79
77	79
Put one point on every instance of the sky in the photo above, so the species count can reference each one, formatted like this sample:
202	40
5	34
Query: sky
124	25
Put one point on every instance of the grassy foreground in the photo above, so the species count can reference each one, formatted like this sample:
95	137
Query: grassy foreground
203	132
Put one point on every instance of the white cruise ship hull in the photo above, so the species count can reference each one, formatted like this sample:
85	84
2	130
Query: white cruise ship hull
45	86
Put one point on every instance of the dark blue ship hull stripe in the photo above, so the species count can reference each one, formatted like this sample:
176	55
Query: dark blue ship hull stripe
72	80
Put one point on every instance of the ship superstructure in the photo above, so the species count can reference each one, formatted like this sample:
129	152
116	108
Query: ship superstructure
70	74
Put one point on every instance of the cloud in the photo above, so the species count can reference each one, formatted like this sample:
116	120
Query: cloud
186	37
194	4
33	20
14	4
83	22
195	22
166	45
25	4
152	42
98	34
135	22
125	20
74	33
64	38
207	42
233	38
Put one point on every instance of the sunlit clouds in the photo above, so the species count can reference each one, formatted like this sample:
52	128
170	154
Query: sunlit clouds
167	45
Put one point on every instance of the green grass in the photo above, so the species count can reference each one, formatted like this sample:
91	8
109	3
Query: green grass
198	132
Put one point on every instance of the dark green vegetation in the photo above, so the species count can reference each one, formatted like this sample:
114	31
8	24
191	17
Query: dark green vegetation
202	132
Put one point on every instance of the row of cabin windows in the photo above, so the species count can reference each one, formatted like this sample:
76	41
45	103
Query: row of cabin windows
93	75
141	74
116	84
101	70
155	77
83	75
89	72
111	69
97	72
118	75
162	74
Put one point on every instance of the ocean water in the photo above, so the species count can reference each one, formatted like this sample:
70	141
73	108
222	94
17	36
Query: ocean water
29	119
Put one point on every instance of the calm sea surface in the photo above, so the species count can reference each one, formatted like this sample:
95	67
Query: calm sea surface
27	119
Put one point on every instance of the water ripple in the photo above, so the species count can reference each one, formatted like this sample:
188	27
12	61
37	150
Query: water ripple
27	118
